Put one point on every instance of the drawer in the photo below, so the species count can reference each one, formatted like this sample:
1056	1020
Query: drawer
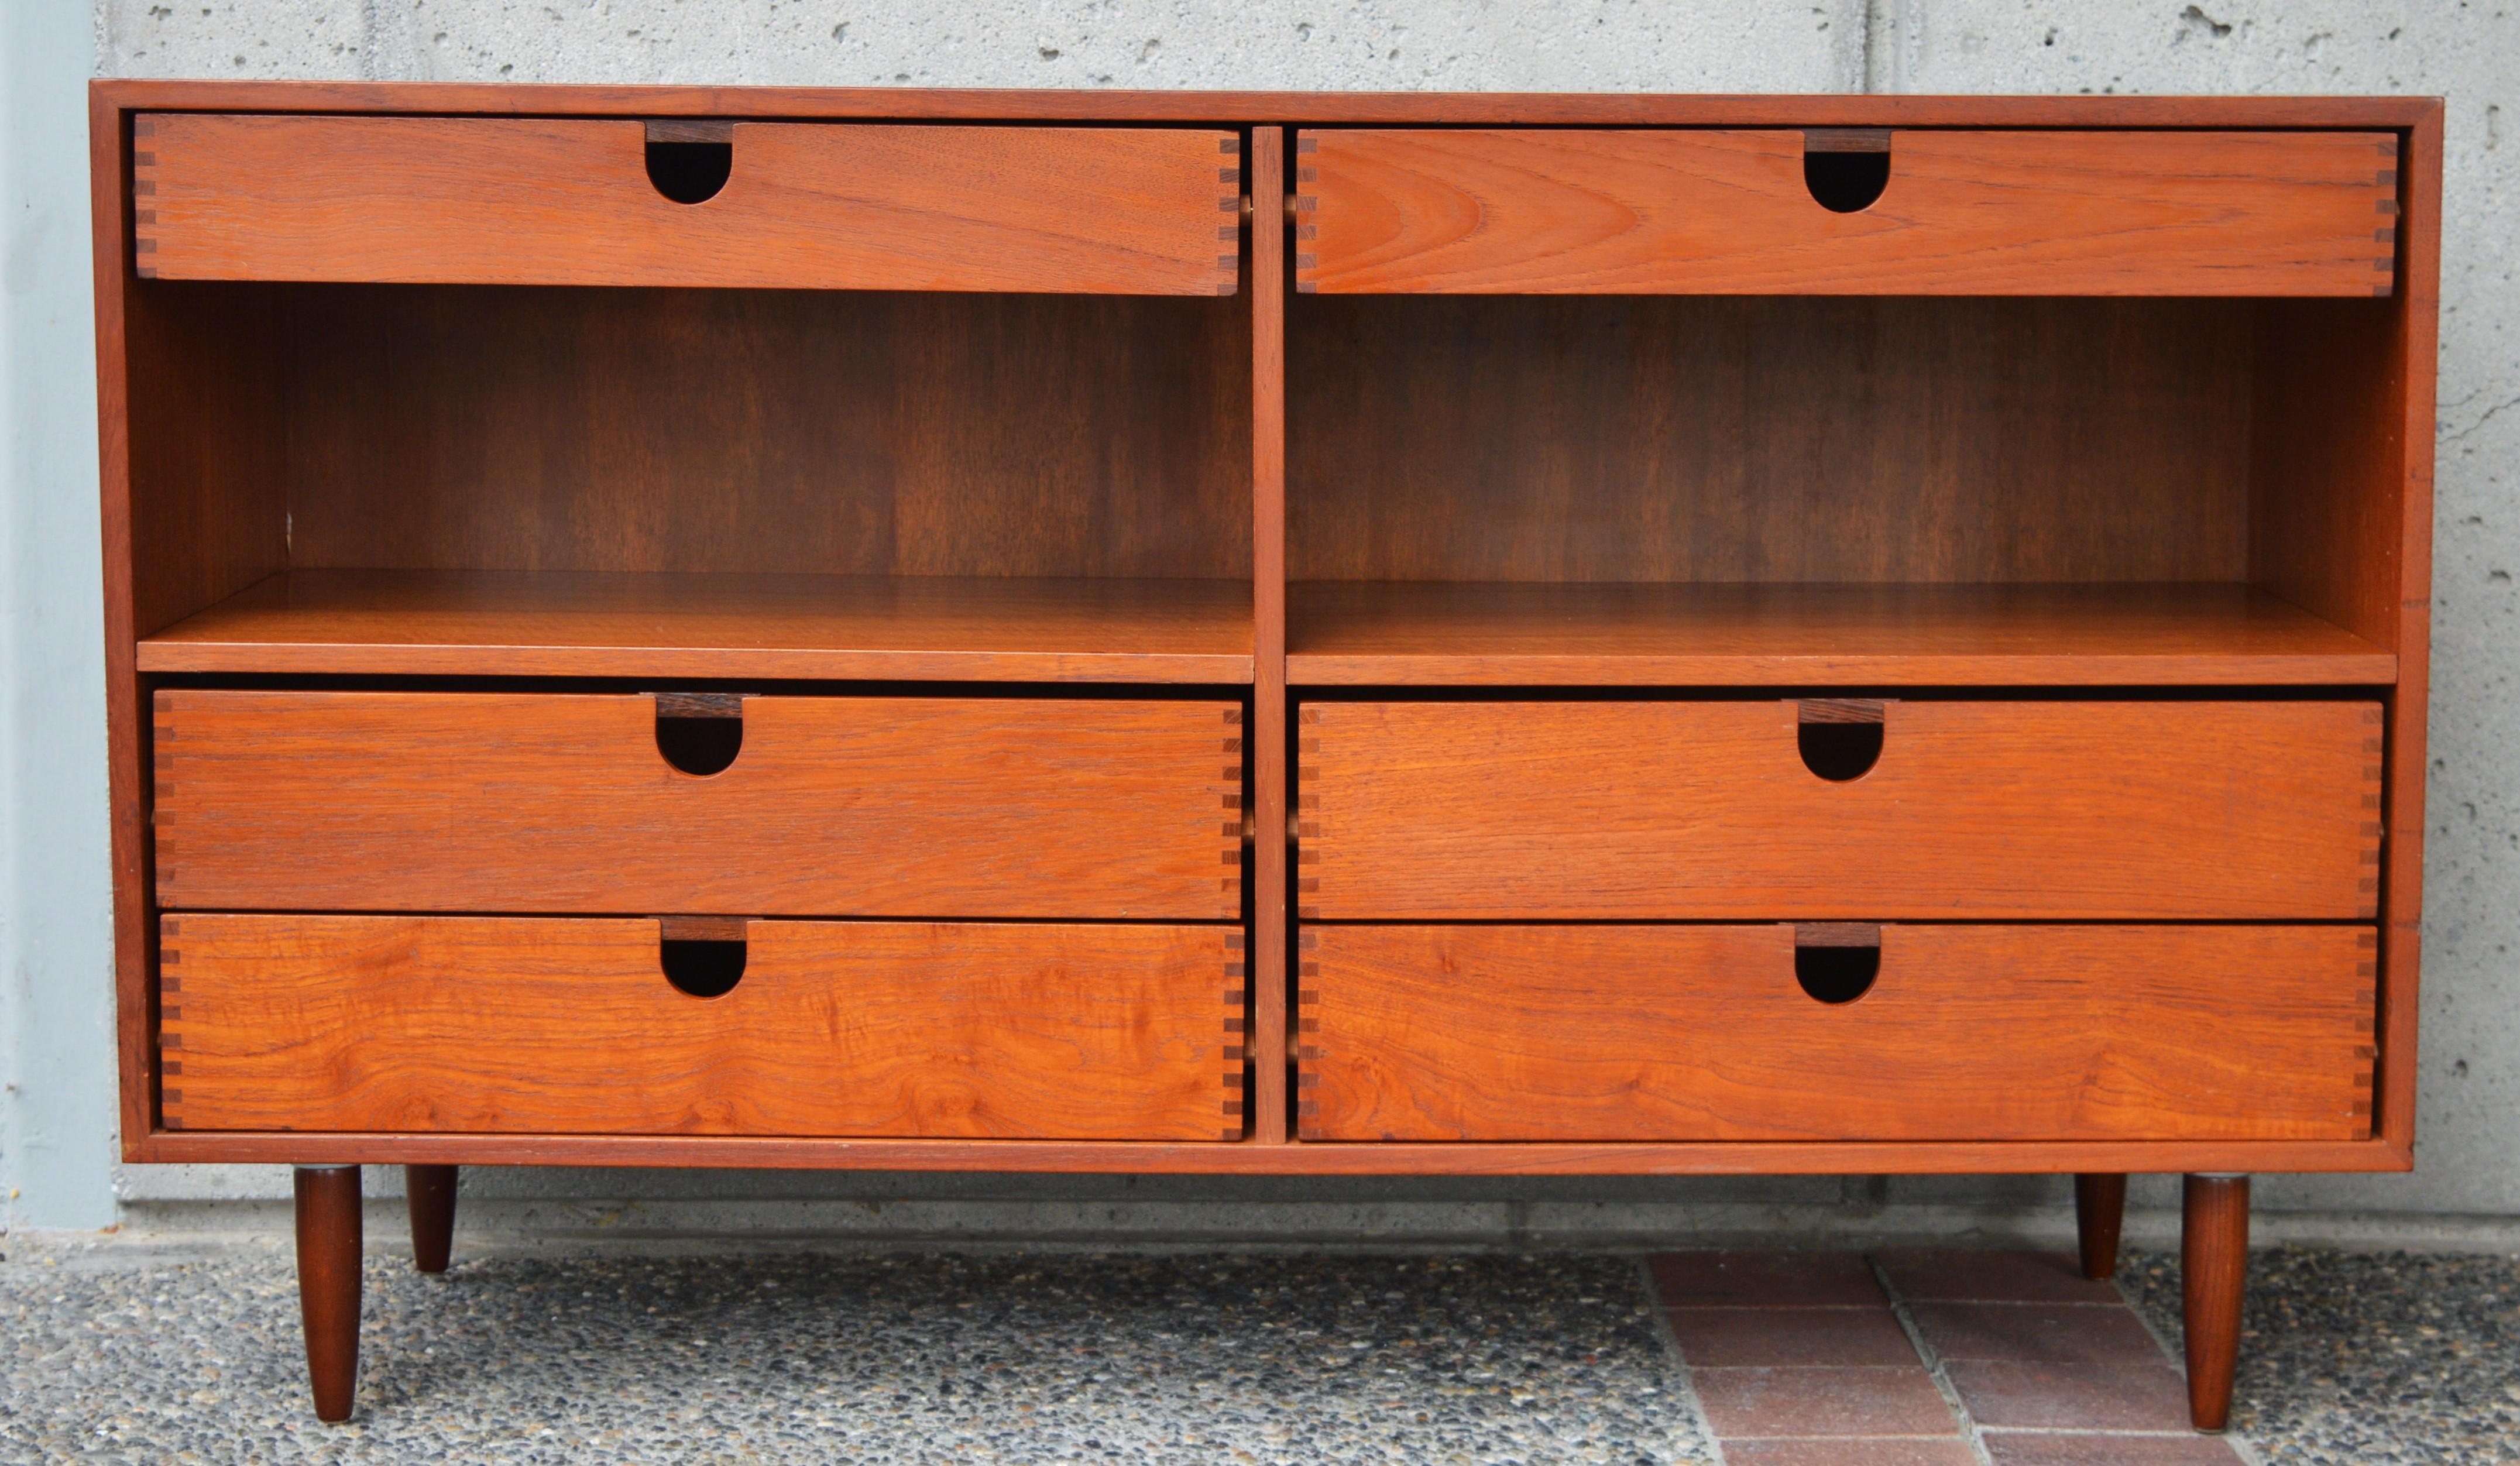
831	806
1713	810
582	1026
1739	213
527	201
1905	1033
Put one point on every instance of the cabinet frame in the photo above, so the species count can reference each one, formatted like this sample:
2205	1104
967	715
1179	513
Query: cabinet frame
154	568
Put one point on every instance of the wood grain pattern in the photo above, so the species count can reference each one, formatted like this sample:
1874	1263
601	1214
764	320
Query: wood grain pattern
1427	633
2214	1276
429	1195
1986	1032
207	446
1272	846
557	623
1966	213
329	1224
1672	438
835	806
829	432
1223	1158
1703	810
2416	343
749	431
1118	105
501	1024
527	200
126	746
2099	1220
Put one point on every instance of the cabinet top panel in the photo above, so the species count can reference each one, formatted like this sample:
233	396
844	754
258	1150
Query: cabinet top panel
1330	108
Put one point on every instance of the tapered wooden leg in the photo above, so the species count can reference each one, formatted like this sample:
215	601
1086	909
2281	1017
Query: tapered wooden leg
2214	1263
328	1283
432	1192
2099	1213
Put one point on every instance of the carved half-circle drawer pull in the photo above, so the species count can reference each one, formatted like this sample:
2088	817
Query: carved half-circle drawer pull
699	733
1840	738
702	956
1846	168
690	160
1836	961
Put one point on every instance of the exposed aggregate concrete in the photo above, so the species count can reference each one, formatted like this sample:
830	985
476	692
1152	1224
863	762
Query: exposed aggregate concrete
123	1352
803	1357
2368	1359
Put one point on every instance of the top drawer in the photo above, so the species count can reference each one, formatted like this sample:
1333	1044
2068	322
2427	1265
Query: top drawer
531	802
497	200
1733	213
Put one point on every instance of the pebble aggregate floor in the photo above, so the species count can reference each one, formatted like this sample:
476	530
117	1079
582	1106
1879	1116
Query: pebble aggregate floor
132	1351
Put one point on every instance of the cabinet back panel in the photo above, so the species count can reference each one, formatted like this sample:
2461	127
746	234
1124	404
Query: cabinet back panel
480	427
1678	438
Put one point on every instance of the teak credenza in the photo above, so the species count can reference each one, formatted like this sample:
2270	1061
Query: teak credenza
1235	632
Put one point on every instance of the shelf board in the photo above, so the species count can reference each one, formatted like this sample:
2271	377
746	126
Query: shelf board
1347	632
533	623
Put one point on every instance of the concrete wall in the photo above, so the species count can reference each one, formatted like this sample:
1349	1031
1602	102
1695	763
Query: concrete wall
2469	1182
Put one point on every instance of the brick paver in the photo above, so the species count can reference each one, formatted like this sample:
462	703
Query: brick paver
1924	1358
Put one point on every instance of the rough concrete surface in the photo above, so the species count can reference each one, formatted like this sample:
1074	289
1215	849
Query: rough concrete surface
182	1350
817	1359
1603	45
2470	1105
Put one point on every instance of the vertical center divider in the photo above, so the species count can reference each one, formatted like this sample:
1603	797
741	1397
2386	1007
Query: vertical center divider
1268	733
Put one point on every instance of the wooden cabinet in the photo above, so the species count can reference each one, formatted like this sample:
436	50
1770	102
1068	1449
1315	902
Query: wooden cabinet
1264	634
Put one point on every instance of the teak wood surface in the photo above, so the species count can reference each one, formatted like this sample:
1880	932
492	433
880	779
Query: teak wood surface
831	432
1964	212
1272	845
465	1024
1704	809
555	202
560	623
1772	438
2282	444
1464	633
834	806
1967	1033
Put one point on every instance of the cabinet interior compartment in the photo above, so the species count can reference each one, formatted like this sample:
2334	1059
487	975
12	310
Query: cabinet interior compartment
382	478
1875	489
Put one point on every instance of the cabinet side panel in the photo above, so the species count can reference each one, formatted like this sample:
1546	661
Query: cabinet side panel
2402	892
126	773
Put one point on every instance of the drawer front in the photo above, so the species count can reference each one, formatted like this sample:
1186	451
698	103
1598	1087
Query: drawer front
1730	212
562	1026
1707	1033
832	806
501	201
2056	810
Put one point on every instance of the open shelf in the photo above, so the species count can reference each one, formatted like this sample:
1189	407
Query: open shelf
648	624
1631	634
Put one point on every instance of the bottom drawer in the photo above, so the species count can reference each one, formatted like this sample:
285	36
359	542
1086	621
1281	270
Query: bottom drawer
567	1026
1835	1032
